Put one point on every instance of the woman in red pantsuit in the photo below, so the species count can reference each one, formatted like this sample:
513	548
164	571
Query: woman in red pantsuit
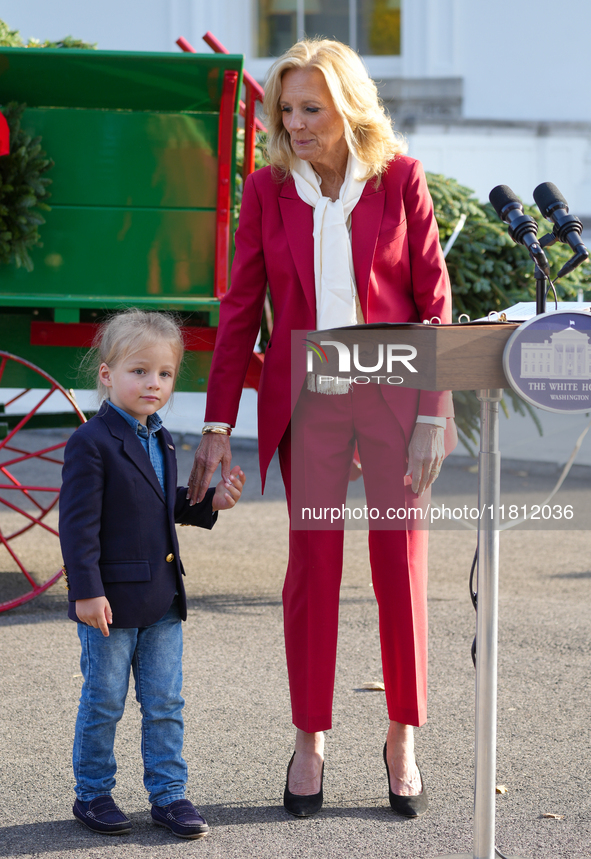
340	227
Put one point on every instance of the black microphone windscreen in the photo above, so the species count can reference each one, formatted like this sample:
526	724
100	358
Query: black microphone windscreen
546	196
501	196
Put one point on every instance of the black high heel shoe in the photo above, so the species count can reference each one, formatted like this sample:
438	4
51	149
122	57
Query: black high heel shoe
409	806
302	806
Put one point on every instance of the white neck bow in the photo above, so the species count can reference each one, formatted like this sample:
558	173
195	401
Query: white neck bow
333	260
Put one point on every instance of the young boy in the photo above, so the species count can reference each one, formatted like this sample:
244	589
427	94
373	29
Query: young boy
118	507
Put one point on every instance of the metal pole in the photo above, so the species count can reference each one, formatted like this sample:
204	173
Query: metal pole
353	25
300	20
489	489
489	484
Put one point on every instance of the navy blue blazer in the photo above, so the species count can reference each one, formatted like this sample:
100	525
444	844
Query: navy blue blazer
117	532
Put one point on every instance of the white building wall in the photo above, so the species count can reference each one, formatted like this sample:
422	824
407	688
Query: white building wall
525	59
430	31
229	21
117	25
135	25
483	160
519	60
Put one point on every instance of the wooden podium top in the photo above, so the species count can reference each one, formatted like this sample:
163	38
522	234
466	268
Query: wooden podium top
459	357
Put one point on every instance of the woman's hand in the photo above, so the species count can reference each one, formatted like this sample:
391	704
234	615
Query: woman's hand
425	456
214	448
228	494
95	612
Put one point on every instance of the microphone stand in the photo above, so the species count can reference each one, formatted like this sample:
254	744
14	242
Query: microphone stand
487	614
540	290
487	607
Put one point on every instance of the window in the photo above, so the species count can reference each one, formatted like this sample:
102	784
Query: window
371	27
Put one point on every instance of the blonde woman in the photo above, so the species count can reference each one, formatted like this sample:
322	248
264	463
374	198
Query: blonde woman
341	228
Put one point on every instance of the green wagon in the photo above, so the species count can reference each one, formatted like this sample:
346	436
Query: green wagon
141	215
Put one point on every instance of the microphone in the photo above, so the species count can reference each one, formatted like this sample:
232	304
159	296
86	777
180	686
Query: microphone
567	228
522	229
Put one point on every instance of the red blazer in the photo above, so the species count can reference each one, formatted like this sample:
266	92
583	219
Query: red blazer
400	273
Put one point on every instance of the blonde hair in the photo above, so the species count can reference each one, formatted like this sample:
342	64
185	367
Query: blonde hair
368	129
125	334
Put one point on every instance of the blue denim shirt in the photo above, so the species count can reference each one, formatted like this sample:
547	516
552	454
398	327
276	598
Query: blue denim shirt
150	443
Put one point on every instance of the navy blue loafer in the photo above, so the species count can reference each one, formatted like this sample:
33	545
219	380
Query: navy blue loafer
182	818
102	815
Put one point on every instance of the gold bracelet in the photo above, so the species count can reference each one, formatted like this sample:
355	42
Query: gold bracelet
213	429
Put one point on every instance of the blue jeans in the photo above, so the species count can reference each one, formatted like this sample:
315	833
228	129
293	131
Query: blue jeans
155	655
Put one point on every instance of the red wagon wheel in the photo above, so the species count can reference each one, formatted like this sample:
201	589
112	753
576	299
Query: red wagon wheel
30	475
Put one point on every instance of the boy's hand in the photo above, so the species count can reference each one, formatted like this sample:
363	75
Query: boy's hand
227	493
95	612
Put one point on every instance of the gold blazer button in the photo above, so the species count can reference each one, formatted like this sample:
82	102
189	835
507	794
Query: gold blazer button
170	557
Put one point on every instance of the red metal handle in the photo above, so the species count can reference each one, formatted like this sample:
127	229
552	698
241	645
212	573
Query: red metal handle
249	134
185	46
82	334
4	136
249	81
225	138
217	46
254	92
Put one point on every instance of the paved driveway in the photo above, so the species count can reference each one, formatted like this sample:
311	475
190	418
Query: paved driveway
239	734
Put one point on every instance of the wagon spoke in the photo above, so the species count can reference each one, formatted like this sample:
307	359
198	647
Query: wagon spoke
17	561
33	454
26	418
30	478
19	486
22	488
36	520
18	396
38	589
16	485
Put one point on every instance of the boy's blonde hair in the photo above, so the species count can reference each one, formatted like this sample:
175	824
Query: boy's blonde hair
129	332
368	129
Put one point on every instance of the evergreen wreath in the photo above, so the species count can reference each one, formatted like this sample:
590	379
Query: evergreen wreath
23	191
23	188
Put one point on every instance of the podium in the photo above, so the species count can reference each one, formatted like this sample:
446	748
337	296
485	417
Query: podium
458	357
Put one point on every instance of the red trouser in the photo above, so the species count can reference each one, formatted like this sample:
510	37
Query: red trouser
315	456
